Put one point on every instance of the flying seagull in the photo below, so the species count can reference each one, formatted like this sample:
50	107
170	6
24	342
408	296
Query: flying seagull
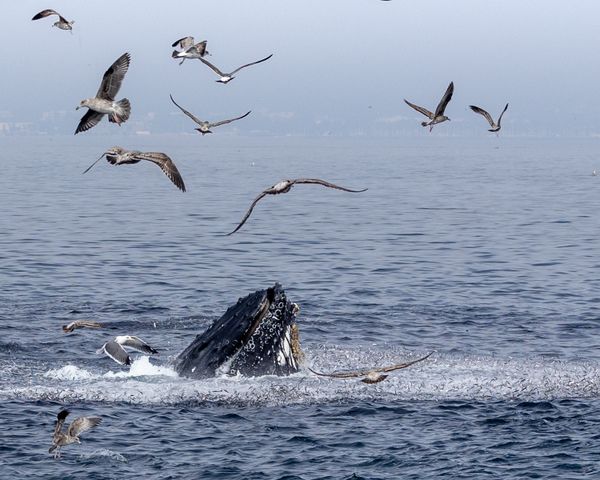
206	126
227	77
80	324
104	101
77	427
189	49
114	348
285	186
495	126
438	116
372	375
62	23
120	156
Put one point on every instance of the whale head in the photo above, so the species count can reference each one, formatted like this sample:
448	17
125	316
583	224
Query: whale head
256	336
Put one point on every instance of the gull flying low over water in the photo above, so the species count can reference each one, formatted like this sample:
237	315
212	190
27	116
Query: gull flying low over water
80	324
120	156
206	126
438	116
62	23
371	375
495	126
114	348
189	49
227	77
77	427
285	186
104	101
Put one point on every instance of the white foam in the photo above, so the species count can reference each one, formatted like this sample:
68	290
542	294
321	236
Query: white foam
142	367
104	453
69	372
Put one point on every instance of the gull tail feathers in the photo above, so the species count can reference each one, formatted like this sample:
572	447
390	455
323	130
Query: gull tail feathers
122	113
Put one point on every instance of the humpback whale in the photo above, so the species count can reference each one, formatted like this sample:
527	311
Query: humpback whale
256	336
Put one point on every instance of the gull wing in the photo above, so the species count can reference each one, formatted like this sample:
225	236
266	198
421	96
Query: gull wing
189	114
46	13
223	122
166	165
137	344
185	42
445	99
116	352
318	181
82	424
113	77
249	212
422	110
253	63
500	117
81	324
367	372
212	67
89	120
60	420
200	47
485	114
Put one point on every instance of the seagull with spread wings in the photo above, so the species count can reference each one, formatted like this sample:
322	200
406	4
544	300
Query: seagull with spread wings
80	324
120	156
114	348
62	23
285	186
77	427
438	116
104	101
189	49
228	77
371	375
495	126
204	125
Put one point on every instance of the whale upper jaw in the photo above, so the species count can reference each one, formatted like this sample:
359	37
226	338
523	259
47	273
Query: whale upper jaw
256	336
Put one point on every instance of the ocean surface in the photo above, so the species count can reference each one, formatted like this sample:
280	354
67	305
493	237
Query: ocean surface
485	251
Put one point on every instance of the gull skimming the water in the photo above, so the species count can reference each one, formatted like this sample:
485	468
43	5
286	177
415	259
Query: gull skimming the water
285	186
371	375
77	427
206	126
114	348
104	101
495	126
62	23
189	49
80	324
120	156
227	77
438	116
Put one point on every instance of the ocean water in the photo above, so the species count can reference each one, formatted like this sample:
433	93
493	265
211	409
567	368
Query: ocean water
484	251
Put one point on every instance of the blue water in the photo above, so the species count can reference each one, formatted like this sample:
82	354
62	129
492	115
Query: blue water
485	251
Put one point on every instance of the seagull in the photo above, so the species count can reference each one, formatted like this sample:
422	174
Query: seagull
80	324
104	101
189	49
120	156
114	348
62	23
285	186
227	77
495	126
206	126
373	375
438	116
77	427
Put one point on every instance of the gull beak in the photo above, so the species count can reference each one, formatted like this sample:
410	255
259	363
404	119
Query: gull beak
77	107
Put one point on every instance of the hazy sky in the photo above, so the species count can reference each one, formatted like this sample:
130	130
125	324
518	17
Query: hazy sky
339	66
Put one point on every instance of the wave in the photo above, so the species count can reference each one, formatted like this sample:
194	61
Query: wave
441	377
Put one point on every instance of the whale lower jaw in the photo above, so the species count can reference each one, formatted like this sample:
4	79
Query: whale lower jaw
253	337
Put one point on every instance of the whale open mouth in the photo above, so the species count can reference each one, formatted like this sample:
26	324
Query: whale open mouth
256	336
